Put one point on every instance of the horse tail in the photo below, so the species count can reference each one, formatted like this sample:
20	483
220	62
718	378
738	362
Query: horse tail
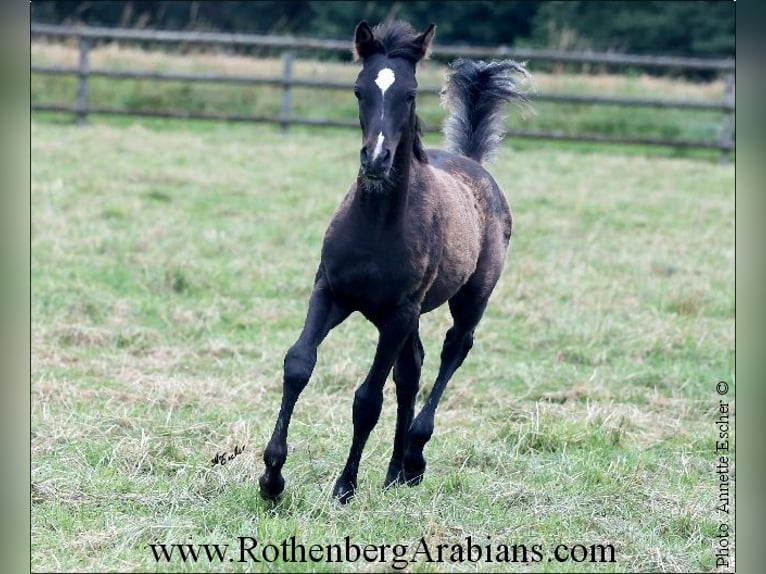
475	96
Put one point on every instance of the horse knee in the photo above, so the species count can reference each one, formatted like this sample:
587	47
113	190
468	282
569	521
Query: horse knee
298	366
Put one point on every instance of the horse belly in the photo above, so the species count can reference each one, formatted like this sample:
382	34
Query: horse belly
451	277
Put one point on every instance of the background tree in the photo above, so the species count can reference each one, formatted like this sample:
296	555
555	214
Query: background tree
697	28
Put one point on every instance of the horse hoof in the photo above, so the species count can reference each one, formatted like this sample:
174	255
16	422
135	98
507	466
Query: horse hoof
392	482
343	491
394	477
414	468
271	488
414	480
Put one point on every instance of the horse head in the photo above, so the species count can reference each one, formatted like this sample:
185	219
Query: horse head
385	89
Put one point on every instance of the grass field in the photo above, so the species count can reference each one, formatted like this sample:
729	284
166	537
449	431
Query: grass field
170	273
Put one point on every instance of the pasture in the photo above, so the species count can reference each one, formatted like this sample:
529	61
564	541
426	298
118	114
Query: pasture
170	273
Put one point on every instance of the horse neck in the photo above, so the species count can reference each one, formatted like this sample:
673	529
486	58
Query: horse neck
387	204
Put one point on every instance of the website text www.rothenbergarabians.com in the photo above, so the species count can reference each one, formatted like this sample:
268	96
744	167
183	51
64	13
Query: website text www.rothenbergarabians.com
468	549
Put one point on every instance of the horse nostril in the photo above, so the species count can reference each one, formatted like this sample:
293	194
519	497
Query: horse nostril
385	155
364	156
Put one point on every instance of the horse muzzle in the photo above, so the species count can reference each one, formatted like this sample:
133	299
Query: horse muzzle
375	161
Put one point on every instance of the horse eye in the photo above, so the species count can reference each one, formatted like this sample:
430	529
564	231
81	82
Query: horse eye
411	97
357	93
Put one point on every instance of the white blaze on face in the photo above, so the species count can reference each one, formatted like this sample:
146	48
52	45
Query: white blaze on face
378	146
385	80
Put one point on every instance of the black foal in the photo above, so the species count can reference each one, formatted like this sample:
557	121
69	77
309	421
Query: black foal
417	229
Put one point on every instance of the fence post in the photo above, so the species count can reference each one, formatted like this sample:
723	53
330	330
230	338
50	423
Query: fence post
82	82
287	94
726	140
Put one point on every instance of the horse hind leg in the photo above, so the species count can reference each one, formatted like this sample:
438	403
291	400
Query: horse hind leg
407	380
467	309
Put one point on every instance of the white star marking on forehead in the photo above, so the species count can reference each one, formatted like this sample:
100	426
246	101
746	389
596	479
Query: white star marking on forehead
385	79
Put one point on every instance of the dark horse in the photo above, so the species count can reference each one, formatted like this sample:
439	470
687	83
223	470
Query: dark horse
418	228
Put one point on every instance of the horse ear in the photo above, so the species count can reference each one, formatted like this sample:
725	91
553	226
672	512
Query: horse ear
424	41
364	42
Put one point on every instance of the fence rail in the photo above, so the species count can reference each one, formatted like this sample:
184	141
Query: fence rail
86	35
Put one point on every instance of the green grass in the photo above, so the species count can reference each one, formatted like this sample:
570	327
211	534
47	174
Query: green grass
170	273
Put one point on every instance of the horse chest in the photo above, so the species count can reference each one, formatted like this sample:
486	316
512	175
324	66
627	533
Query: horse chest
368	274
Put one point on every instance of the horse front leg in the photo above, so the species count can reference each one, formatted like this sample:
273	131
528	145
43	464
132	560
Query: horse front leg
407	379
323	314
368	399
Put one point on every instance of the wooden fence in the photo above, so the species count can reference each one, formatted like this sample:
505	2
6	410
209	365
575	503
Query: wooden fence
87	35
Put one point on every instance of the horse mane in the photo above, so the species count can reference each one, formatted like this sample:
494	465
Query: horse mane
417	143
396	39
